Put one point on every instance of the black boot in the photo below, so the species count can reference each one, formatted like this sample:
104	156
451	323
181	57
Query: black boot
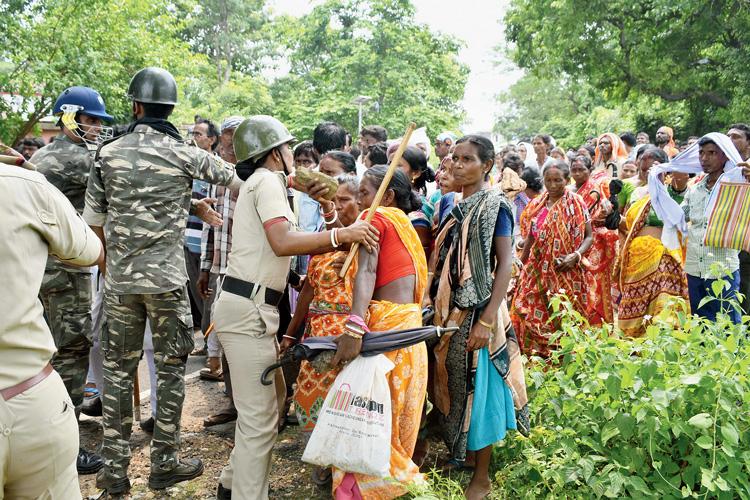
222	493
88	463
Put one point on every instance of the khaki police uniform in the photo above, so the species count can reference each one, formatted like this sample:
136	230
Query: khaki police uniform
247	330
143	182
38	428
66	291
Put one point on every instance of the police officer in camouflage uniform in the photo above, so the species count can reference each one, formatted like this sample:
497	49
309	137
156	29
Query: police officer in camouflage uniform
141	183
66	290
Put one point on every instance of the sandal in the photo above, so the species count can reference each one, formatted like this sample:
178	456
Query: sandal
207	374
450	465
322	476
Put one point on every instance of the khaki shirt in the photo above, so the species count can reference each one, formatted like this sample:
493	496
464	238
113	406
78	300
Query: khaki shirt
143	181
261	199
39	221
66	164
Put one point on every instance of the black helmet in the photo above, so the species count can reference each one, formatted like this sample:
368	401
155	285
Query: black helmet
153	85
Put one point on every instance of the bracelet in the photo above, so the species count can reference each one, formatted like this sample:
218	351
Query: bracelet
352	334
336	236
290	337
430	274
485	324
335	217
334	243
320	211
580	257
358	320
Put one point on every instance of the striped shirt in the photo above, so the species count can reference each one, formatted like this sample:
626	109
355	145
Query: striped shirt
194	226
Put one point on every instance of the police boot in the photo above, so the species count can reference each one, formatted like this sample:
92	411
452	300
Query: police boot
183	471
112	484
88	463
222	493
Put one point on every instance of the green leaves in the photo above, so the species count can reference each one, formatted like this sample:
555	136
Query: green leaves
701	420
664	416
627	66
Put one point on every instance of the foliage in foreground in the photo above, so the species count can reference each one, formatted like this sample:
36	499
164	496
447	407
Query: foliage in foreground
664	416
661	416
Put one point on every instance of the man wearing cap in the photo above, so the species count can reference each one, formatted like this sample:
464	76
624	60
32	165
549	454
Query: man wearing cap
142	182
443	144
38	430
66	291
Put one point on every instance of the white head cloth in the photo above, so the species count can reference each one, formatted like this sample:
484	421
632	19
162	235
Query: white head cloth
668	211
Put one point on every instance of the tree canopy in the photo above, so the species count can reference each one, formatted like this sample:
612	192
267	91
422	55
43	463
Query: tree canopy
680	61
220	51
344	49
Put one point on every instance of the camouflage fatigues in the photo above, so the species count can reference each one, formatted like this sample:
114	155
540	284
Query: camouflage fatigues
142	183
66	291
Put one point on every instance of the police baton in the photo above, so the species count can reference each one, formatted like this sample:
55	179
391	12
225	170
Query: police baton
14	160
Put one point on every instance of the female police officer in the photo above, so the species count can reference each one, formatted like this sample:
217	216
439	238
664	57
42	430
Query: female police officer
246	316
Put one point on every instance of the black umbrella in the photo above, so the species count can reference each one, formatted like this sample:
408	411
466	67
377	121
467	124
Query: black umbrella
373	343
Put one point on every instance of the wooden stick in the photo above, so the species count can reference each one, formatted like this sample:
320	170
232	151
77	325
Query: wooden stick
208	331
136	398
381	192
14	160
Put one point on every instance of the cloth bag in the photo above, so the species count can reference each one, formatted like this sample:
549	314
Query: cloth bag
729	223
353	432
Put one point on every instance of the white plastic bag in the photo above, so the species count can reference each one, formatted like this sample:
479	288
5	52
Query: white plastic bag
353	432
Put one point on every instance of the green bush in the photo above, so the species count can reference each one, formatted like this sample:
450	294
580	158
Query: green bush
663	416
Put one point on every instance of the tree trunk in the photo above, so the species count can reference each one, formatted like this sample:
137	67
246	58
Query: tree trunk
41	110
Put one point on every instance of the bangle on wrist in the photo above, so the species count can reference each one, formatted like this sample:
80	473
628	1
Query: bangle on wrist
290	337
335	218
580	257
353	334
334	243
485	324
324	215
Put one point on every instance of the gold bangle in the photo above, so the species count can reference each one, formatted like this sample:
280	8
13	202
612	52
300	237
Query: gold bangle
484	324
352	334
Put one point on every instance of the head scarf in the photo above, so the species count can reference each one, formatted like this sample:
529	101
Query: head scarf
231	122
618	148
530	160
688	162
670	149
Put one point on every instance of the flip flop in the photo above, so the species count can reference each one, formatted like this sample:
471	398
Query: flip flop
451	464
322	482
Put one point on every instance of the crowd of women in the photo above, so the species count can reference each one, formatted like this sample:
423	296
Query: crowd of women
484	252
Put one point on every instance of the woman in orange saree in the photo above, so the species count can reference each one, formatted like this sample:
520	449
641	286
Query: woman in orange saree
557	233
325	302
387	293
594	189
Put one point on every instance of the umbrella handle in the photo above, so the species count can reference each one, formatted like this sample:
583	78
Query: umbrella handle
271	368
441	330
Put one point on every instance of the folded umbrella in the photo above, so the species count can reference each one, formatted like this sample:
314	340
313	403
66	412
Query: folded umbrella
373	343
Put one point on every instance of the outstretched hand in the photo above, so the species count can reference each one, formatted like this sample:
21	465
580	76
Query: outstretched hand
207	214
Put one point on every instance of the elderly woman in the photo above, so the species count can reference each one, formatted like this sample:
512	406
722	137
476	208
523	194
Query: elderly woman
472	267
557	234
387	290
593	187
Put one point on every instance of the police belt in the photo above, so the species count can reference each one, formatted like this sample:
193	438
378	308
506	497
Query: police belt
250	290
